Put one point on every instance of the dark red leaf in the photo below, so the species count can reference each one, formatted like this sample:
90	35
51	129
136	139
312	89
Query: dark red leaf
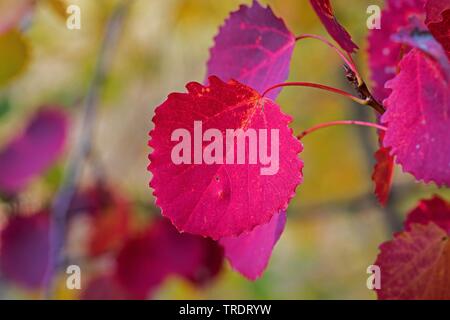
414	265
438	22
435	210
141	265
149	258
325	12
104	288
383	172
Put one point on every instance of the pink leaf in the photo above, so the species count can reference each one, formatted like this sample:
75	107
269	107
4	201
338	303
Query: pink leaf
435	210
325	12
25	250
250	252
384	53
418	119
253	47
438	22
33	150
224	198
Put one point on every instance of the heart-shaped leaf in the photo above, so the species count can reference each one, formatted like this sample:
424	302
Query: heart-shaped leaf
221	189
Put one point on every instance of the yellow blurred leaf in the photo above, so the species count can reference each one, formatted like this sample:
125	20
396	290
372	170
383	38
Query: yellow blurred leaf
59	7
14	55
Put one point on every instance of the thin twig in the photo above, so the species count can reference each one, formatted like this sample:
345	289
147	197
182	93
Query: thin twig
316	86
340	123
81	150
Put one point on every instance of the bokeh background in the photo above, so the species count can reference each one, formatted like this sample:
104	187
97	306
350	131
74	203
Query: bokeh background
334	223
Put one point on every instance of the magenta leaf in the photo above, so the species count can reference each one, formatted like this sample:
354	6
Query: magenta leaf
253	47
24	250
250	252
384	53
325	12
34	150
227	196
418	118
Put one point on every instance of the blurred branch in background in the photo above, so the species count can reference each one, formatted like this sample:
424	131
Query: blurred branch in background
82	148
390	214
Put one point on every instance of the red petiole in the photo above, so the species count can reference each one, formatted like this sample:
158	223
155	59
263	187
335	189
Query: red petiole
341	122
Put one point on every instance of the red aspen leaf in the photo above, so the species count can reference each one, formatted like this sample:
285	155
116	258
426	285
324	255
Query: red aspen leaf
438	22
33	150
104	287
435	210
384	53
24	250
383	172
250	252
140	265
148	258
418	118
253	47
325	12
110	226
224	198
195	258
415	264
